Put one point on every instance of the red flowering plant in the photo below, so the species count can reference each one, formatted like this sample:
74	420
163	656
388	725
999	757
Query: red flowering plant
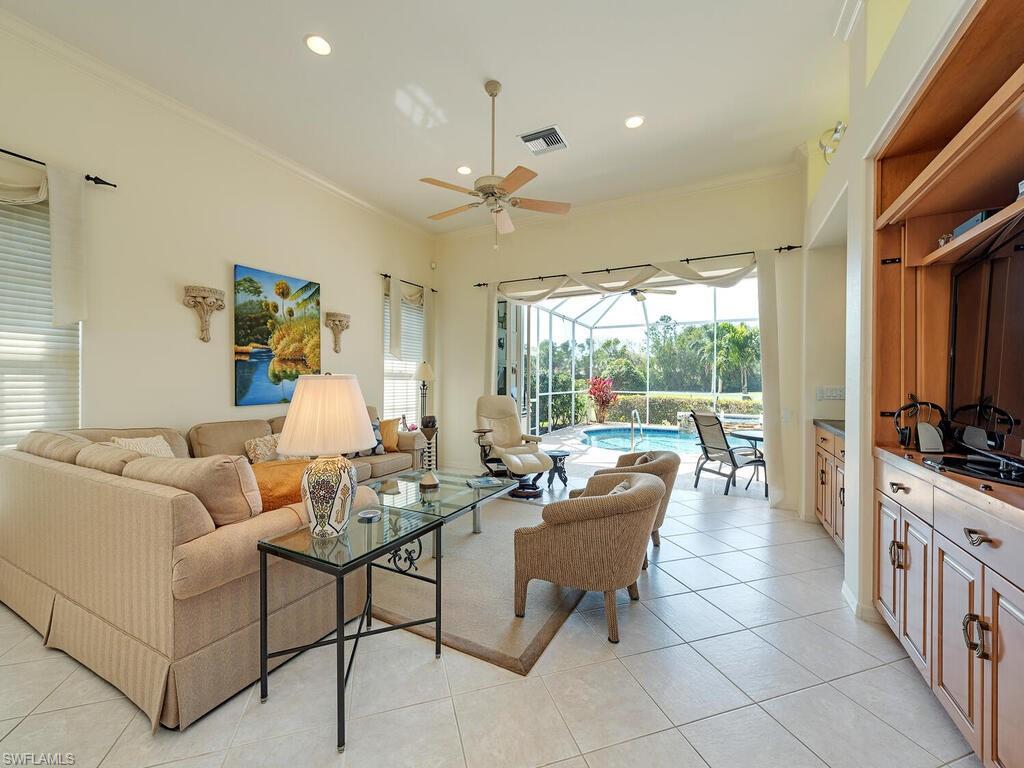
600	391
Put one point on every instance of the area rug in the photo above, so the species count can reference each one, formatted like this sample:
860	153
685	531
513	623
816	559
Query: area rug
477	582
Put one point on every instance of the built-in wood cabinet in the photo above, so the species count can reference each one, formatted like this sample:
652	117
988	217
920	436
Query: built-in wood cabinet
956	607
1000	643
830	482
937	586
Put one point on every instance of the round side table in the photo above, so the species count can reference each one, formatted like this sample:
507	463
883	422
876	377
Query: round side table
558	458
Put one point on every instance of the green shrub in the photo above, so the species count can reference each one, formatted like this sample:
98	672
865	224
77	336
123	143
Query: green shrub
664	407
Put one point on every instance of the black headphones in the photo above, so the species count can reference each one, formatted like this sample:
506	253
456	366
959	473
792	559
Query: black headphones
911	409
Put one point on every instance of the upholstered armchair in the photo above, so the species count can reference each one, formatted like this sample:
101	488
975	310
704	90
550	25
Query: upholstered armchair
505	448
662	464
595	541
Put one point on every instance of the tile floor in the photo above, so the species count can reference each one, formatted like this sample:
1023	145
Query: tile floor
741	652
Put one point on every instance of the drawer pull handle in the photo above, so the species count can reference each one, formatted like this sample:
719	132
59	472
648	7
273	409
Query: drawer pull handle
821	477
897	487
822	439
976	537
974	641
842	497
842	453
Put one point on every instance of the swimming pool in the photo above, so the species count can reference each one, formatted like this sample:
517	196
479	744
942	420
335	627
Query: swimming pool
654	439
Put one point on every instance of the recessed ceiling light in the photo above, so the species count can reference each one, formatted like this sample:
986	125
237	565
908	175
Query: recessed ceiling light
318	45
465	170
635	121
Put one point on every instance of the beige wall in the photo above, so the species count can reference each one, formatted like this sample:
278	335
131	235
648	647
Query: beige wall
729	216
192	201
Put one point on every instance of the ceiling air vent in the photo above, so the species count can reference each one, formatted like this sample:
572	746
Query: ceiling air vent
544	140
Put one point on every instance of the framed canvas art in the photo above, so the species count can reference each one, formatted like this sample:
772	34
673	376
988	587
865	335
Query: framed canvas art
277	334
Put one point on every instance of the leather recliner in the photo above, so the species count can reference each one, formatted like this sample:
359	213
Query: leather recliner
505	448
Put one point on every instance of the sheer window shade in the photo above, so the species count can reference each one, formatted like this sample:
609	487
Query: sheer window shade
39	379
401	391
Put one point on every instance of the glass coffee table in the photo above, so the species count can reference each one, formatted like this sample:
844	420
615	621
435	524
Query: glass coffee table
450	500
394	539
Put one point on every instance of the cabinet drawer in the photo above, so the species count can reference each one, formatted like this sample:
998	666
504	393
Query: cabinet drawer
824	439
999	544
905	489
839	447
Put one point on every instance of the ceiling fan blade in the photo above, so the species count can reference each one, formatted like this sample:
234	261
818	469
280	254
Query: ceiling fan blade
519	176
503	221
664	291
446	185
451	212
544	206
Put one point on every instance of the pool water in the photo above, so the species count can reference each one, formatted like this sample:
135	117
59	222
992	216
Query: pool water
654	439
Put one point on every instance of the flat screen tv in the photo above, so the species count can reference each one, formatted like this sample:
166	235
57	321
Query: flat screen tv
986	374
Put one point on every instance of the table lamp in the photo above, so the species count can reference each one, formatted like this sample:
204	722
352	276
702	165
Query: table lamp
423	374
327	418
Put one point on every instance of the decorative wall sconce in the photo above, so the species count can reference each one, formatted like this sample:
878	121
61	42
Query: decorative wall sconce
337	322
205	301
829	140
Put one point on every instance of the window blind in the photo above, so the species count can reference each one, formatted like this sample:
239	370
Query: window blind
39	371
401	391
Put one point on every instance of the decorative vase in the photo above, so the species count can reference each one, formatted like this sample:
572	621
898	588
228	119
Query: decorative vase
328	490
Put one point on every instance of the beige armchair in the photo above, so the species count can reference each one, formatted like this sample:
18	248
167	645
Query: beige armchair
505	449
595	541
662	464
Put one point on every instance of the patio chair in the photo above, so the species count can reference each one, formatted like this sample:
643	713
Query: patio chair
714	446
596	540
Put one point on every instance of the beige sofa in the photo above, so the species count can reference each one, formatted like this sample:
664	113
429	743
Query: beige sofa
134	580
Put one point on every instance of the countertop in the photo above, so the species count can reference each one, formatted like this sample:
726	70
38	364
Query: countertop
835	426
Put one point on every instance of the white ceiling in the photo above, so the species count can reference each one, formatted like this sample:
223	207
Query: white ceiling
727	87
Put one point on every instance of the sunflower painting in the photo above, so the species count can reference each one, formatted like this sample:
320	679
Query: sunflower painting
277	334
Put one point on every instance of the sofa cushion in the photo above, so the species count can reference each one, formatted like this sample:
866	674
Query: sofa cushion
225	437
388	463
146	446
262	449
225	484
277	424
53	444
173	437
106	458
363	469
280	482
228	553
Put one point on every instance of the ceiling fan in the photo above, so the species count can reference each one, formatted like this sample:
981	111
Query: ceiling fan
496	192
639	293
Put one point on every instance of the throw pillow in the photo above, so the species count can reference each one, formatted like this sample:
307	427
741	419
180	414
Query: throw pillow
280	482
53	444
620	488
643	459
147	446
389	435
106	457
225	485
378	449
261	449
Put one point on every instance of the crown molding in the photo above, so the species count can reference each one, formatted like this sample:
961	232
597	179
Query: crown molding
530	219
84	62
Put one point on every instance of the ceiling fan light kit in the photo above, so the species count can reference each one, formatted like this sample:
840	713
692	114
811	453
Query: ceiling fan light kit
496	192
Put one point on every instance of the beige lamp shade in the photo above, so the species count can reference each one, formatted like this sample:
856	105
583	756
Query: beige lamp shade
327	417
423	372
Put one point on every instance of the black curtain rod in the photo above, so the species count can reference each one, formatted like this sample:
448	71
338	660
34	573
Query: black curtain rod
88	177
408	282
609	270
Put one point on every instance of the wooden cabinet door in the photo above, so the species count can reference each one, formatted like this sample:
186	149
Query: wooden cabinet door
887	533
829	490
915	566
824	466
839	502
1003	646
956	606
819	484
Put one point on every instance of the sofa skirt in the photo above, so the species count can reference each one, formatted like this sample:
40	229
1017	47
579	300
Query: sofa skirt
173	693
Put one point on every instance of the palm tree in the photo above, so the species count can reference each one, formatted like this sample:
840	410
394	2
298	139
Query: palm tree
306	295
282	290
